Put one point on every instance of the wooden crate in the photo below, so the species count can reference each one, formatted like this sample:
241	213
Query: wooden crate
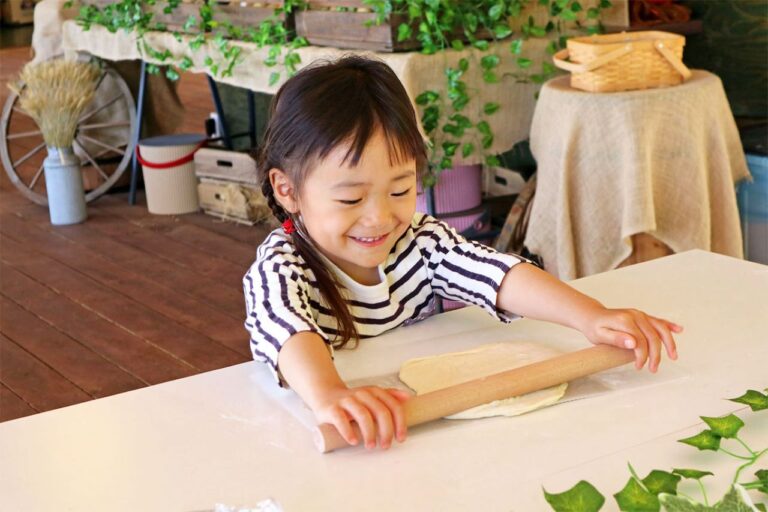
233	201
248	14
222	165
178	17
324	26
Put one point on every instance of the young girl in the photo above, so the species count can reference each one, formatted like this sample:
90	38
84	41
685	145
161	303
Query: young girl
339	166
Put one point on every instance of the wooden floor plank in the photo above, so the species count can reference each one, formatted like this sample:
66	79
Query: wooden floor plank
175	227
185	310
181	279
220	270
80	365
137	356
12	407
192	347
36	383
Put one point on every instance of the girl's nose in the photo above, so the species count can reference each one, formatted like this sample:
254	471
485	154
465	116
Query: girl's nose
378	213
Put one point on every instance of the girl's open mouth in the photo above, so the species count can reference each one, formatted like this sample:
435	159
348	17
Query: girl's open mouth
370	241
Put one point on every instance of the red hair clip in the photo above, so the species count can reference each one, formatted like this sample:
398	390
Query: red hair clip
288	226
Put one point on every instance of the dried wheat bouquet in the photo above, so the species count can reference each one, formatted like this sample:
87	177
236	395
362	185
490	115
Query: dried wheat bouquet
54	94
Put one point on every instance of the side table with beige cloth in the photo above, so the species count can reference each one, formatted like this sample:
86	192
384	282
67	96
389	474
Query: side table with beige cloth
661	162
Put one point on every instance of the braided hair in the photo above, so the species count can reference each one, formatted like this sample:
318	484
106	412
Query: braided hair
323	106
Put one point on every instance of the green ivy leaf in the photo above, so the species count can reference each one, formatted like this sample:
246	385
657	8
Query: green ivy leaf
463	64
754	399
760	507
634	498
704	440
185	64
501	31
524	63
490	107
490	77
735	500
481	45
659	482
467	149
593	13
489	62
274	77
484	128
404	32
492	161
672	503
693	474
516	46
568	15
457	44
496	11
605	4
724	426
427	97
576	7
450	148
582	497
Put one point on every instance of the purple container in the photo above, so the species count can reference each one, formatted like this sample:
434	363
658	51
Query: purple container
457	189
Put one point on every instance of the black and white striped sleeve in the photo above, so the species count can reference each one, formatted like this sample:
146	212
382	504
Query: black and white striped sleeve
463	270
277	305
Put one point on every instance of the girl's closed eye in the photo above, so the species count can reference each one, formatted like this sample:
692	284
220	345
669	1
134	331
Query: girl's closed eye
400	194
349	201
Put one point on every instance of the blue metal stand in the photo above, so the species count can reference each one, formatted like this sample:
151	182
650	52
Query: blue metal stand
137	133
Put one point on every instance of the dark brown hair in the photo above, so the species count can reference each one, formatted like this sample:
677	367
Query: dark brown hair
323	106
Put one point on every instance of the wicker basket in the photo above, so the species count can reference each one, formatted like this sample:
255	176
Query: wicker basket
624	62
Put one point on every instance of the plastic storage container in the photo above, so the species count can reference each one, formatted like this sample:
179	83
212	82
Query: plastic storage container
753	208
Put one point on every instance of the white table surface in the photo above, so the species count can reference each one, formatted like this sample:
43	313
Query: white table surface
220	438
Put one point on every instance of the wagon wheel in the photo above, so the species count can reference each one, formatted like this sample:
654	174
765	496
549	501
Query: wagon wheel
103	141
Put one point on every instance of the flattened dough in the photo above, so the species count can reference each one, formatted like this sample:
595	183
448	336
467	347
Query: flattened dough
436	372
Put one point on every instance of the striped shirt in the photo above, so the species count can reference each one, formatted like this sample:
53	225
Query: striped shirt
429	260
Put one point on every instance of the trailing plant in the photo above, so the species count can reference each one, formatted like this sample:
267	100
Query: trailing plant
203	30
439	25
659	489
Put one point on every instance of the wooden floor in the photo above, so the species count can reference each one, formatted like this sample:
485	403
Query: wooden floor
124	300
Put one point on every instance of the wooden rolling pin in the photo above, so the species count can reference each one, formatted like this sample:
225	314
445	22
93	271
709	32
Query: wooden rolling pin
518	381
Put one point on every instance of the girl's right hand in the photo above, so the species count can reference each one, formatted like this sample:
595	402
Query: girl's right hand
378	412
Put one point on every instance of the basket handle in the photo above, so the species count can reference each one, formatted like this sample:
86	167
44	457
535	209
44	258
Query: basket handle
674	60
559	60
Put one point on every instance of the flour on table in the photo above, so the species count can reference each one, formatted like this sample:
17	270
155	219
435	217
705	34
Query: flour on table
436	372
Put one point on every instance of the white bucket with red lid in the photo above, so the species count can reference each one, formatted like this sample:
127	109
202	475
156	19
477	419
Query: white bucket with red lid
167	163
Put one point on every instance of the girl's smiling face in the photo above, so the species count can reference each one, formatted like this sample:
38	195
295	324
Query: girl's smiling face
355	214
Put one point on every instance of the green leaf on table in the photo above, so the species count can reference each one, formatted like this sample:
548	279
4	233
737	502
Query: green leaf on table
762	476
724	426
635	498
659	482
735	500
704	440
582	497
693	474
754	399
672	503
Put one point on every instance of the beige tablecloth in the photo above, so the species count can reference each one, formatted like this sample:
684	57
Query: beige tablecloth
611	165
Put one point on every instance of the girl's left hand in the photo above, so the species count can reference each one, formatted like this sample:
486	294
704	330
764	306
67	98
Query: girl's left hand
633	329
